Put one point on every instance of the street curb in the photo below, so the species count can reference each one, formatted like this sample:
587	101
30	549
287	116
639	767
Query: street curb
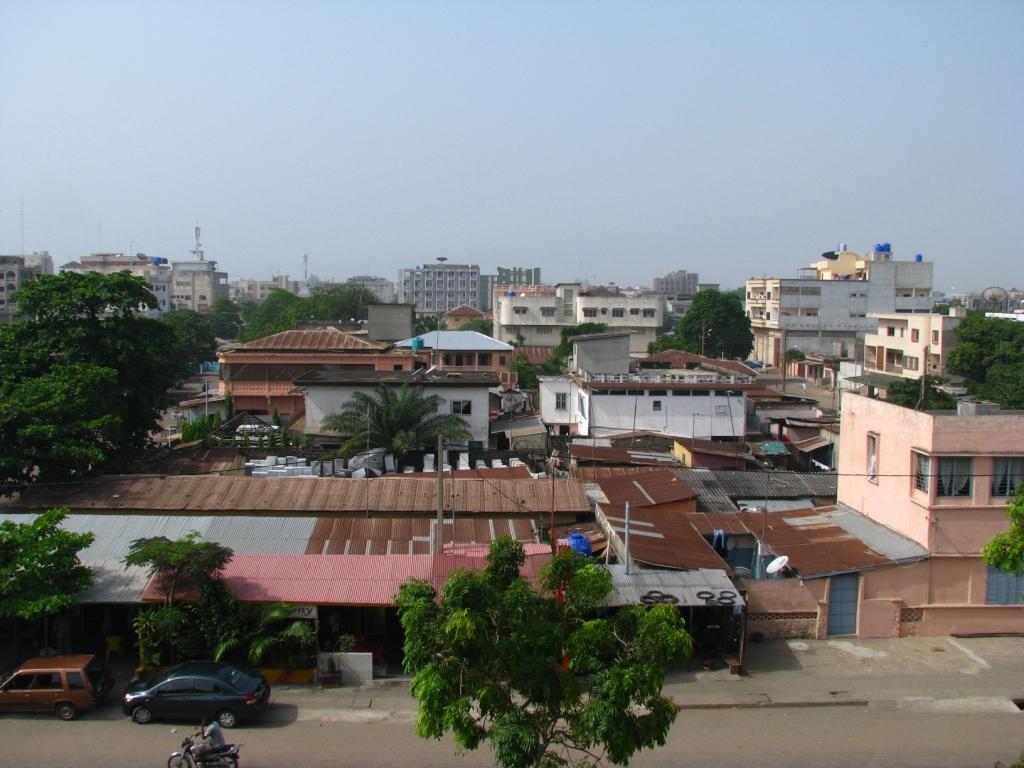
777	704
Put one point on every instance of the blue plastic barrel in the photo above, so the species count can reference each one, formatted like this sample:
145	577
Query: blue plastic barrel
580	544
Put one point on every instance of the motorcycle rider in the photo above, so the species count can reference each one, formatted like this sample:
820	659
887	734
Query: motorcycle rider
213	740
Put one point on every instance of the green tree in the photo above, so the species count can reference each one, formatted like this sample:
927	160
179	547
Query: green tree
425	323
225	319
793	355
40	572
486	327
81	338
715	326
542	674
528	372
1006	550
173	561
401	420
920	395
278	313
348	301
194	340
990	357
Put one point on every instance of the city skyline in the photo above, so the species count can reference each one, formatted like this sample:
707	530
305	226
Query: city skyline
600	141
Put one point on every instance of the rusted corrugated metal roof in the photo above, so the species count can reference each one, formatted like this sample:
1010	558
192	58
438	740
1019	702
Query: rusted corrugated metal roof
677	358
594	474
327	340
661	487
491	473
369	580
306	495
409	536
535	355
609	455
665	539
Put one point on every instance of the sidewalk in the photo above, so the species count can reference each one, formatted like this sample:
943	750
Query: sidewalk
932	674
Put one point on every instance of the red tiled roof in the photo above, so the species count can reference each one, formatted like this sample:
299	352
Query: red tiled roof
306	495
464	310
370	580
327	340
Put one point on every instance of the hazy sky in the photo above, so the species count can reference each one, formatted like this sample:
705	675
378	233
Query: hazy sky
609	141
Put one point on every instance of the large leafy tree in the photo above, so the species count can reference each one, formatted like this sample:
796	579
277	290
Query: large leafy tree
348	301
568	333
40	572
922	394
83	368
175	560
990	356
1006	550
194	339
225	319
543	674
401	420
715	325
278	313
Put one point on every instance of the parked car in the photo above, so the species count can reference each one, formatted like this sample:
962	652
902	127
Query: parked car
197	689
65	685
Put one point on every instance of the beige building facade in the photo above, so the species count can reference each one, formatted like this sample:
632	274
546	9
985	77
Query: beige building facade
909	345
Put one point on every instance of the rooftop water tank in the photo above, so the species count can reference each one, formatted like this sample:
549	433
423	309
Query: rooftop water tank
417	344
580	544
919	257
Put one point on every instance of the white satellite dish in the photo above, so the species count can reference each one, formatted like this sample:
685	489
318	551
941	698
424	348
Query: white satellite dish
777	564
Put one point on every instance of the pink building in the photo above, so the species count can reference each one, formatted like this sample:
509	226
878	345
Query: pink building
941	479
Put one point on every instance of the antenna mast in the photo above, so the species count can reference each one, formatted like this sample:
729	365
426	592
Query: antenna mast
198	250
305	268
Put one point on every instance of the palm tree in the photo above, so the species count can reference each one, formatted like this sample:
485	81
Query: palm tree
401	420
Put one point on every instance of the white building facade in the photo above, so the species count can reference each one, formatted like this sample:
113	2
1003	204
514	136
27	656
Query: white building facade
538	318
155	270
826	310
251	289
439	287
15	271
380	287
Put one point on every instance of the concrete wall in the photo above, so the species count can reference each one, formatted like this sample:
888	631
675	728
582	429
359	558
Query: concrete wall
684	416
602	355
390	322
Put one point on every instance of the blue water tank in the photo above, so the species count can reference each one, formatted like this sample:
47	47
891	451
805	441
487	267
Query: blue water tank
511	293
919	257
417	344
580	544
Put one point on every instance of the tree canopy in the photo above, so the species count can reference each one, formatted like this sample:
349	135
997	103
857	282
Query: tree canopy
715	325
1006	550
920	395
194	339
401	420
568	333
83	375
543	675
486	327
225	319
990	357
187	558
283	310
40	572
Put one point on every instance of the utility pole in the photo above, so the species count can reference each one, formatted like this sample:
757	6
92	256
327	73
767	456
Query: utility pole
784	361
626	539
551	528
439	524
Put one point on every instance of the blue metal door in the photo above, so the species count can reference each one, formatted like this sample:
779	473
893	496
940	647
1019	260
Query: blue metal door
842	604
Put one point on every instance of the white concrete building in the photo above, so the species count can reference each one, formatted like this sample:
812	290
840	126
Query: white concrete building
155	270
251	289
465	394
439	287
826	310
14	272
539	317
380	287
909	346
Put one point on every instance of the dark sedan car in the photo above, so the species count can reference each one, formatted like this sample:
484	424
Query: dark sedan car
197	689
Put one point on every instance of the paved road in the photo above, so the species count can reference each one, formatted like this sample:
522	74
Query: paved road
831	737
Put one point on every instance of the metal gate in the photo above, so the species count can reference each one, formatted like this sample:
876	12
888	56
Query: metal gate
842	604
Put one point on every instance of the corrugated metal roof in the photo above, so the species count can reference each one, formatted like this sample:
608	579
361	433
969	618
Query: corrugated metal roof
305	495
609	455
717	489
660	487
817	545
665	539
457	341
405	536
367	580
677	358
535	355
327	340
464	310
644	586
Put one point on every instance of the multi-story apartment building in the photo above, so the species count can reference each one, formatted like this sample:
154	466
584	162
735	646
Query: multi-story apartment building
14	272
439	287
909	345
538	317
380	287
153	269
677	284
825	310
196	284
250	289
601	397
941	479
505	276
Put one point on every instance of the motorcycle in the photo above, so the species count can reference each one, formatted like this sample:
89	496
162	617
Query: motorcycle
225	757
